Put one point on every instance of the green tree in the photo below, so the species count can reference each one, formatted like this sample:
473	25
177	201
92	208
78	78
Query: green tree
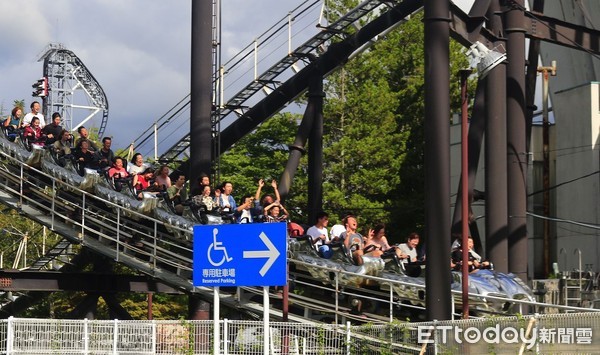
373	135
263	155
374	140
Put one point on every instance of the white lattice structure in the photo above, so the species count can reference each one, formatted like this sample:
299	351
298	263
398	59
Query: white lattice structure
73	90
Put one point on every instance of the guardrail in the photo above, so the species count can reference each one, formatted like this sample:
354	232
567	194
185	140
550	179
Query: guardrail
243	65
539	334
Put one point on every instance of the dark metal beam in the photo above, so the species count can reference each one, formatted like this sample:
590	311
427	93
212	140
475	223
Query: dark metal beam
201	90
336	56
517	156
60	281
22	303
437	158
87	308
530	85
315	151
496	212
116	311
552	30
297	149
476	131
467	29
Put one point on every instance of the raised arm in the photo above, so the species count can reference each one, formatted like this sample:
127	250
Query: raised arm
275	190
261	183
267	208
285	212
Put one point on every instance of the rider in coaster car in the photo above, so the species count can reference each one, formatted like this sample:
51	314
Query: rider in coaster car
118	173
475	260
353	241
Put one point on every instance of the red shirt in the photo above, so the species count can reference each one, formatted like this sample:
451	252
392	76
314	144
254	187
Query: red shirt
123	172
142	183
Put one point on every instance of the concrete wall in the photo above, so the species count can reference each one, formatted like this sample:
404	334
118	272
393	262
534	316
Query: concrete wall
578	125
535	200
574	181
455	169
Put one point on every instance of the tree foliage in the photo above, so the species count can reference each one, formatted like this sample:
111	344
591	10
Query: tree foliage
375	131
263	155
373	135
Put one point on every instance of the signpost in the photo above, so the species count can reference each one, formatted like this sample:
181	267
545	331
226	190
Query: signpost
240	255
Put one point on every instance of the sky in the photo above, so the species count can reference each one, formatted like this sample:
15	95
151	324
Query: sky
138	50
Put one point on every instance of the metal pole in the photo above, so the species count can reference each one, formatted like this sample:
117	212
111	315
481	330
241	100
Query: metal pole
437	157
546	163
315	150
496	180
216	316
285	343
201	90
475	139
516	141
464	172
265	320
155	142
149	305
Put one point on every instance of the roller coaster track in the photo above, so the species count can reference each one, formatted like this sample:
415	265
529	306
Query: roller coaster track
66	74
85	211
282	69
144	235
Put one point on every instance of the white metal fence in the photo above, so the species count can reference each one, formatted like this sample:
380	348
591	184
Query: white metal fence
540	334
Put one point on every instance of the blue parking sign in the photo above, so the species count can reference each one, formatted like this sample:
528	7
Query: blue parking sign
252	254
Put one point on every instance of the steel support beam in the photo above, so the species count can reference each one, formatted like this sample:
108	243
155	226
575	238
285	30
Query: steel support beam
496	210
437	158
517	158
475	138
530	86
59	281
311	121
552	30
201	91
315	150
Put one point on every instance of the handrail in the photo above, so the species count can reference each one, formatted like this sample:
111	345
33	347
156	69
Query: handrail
563	250
236	62
277	73
578	253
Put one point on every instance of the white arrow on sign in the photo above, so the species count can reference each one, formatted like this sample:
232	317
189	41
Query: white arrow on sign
272	253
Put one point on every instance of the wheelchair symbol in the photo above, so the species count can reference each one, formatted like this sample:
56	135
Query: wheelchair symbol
217	246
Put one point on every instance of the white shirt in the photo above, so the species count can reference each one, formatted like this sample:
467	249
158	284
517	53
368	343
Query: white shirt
29	116
134	169
316	233
246	217
411	252
337	230
475	255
